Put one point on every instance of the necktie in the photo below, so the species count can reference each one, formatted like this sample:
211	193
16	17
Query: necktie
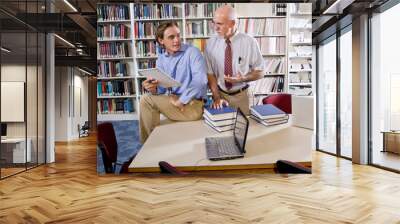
228	62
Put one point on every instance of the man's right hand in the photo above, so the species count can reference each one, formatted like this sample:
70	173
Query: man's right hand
220	103
150	85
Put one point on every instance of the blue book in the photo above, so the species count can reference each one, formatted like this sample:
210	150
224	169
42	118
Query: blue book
267	111
224	113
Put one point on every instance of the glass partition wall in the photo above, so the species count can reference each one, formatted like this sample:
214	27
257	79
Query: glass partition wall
334	88
326	126
345	61
22	77
385	90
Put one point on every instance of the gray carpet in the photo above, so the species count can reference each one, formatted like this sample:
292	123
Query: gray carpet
127	134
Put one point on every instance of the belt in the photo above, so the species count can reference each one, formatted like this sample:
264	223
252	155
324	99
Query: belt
200	98
235	92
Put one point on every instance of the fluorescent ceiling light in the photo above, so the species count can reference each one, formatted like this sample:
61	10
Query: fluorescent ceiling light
86	72
65	41
5	49
70	5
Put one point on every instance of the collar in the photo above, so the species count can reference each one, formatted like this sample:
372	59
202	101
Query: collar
233	37
181	49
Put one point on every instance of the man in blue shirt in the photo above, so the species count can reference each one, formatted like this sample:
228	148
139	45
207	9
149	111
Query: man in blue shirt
185	64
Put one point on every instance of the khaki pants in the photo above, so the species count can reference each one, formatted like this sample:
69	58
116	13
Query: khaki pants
240	100
151	106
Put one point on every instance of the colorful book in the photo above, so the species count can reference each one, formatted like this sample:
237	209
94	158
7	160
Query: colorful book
267	111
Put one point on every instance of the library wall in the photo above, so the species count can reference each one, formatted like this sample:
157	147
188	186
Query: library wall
126	45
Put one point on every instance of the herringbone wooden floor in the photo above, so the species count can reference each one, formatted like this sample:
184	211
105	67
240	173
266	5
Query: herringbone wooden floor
70	191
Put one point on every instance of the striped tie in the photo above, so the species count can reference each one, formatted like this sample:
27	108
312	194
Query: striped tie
228	63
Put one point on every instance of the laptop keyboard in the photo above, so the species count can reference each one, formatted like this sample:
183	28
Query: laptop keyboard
219	147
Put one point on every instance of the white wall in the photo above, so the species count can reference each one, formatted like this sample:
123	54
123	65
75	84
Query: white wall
17	73
33	126
61	103
14	73
79	117
70	83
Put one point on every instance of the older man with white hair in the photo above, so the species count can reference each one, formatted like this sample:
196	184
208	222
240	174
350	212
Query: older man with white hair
233	59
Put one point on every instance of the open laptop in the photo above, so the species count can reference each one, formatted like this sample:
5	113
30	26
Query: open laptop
231	147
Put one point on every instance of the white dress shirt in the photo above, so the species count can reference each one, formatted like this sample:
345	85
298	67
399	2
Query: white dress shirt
246	57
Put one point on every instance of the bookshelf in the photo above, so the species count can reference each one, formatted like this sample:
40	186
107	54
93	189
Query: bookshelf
268	25
132	36
300	49
194	21
116	92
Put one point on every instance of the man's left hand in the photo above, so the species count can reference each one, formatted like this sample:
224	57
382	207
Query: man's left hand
234	79
176	102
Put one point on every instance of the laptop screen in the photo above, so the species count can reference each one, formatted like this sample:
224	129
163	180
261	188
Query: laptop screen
240	130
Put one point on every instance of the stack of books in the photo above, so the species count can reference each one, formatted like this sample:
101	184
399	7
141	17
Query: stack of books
268	115
220	119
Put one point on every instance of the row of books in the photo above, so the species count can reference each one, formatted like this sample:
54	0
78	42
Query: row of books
300	66
112	31
157	11
279	9
223	119
275	65
301	8
272	45
115	88
300	77
148	48
201	9
300	51
112	69
147	63
145	29
199	43
271	26
141	90
112	12
194	28
267	85
300	23
114	106
113	50
300	90
302	37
